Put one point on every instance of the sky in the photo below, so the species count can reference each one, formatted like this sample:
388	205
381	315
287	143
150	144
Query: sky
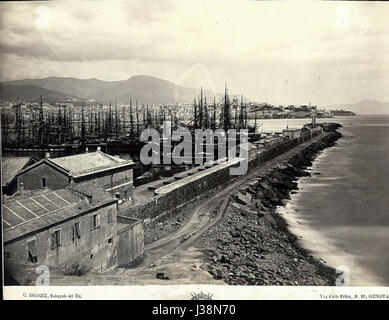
277	52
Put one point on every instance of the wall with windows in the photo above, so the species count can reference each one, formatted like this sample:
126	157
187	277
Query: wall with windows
116	180
33	178
92	242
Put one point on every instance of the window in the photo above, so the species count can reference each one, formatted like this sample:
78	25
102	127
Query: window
31	251
56	239
44	182
95	221
76	231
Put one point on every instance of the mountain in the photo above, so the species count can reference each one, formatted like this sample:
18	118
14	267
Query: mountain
364	107
32	93
145	89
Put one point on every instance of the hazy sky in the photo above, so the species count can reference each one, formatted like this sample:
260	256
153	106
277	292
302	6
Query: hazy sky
319	52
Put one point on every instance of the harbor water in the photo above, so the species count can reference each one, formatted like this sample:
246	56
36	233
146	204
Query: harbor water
341	212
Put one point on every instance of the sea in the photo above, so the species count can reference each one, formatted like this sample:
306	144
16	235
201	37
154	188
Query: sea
341	211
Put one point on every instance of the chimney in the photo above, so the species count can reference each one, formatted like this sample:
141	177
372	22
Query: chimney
47	155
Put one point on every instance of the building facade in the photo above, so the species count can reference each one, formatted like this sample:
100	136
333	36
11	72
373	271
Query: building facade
291	133
113	174
74	229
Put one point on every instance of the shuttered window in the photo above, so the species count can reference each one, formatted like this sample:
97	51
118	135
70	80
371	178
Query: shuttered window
76	231
56	239
32	254
95	222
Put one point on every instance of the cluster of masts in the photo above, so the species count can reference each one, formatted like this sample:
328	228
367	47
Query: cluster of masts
64	125
224	115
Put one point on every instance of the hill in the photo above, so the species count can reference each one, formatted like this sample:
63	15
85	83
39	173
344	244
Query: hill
364	107
32	93
145	89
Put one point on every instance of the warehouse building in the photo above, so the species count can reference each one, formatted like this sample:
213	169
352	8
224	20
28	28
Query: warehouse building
66	229
113	174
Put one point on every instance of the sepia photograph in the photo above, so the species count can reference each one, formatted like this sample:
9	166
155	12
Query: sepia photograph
194	150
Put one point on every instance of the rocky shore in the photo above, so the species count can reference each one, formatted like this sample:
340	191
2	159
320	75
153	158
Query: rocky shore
251	244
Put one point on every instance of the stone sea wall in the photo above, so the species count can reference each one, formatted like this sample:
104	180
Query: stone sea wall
252	245
164	205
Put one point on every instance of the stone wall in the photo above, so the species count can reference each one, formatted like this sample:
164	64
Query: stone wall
130	240
164	205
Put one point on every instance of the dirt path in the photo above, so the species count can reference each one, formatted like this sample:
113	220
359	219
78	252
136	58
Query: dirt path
199	219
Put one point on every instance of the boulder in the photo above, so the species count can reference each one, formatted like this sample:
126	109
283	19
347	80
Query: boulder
244	199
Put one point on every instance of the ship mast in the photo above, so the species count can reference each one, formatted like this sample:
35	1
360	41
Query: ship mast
226	111
131	122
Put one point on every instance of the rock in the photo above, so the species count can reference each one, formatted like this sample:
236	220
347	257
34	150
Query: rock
250	276
243	199
265	186
217	273
224	259
234	234
251	191
248	213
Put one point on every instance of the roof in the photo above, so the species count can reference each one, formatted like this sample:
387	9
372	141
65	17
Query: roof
23	216
198	173
10	166
87	163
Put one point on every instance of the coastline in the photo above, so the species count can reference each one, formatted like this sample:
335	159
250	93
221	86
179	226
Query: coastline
253	244
324	245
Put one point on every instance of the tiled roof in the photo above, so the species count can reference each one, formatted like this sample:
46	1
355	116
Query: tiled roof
89	162
10	166
27	215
